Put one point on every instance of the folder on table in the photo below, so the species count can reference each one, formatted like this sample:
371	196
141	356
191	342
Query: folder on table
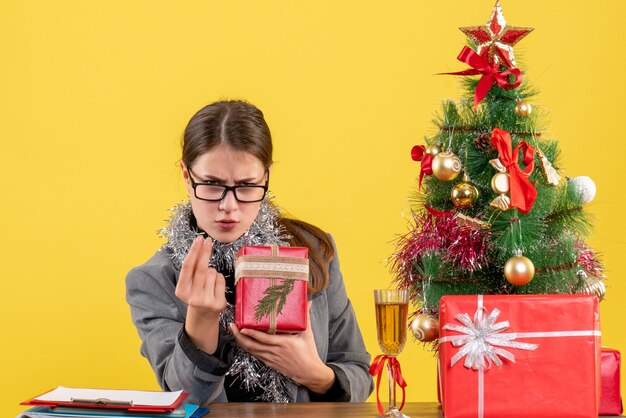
182	411
132	400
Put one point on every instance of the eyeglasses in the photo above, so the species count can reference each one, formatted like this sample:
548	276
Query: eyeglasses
217	192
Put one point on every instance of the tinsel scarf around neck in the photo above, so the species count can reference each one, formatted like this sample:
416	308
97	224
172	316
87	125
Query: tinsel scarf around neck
180	232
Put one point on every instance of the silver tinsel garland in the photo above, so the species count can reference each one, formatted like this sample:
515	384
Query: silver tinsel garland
263	231
252	372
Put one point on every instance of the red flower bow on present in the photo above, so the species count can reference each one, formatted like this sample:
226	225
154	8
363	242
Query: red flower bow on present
523	192
418	153
490	74
376	369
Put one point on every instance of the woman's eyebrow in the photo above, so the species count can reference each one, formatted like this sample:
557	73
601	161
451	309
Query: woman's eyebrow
209	177
247	180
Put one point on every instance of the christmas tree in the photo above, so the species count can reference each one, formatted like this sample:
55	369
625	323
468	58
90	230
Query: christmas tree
492	214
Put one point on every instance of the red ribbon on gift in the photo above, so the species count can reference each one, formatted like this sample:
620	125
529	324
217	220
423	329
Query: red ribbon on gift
418	153
523	192
490	74
376	369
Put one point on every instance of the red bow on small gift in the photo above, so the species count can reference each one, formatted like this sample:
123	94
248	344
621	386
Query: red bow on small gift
418	153
376	369
523	192
490	74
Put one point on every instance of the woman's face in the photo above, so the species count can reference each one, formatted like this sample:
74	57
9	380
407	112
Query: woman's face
227	219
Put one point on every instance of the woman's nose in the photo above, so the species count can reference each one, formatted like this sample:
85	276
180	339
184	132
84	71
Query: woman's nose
228	203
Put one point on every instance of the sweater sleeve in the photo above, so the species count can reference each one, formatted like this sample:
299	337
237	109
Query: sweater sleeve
347	355
159	317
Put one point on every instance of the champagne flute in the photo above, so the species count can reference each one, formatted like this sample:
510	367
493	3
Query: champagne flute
392	307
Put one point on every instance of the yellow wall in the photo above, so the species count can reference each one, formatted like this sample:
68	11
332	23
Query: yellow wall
94	97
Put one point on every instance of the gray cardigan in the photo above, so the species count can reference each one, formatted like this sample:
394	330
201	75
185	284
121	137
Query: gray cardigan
159	317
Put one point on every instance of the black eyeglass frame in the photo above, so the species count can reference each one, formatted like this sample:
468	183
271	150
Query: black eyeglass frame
194	185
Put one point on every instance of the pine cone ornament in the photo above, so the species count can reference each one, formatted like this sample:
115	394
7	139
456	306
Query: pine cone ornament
483	143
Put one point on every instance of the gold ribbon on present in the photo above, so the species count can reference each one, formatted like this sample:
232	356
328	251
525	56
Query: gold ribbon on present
273	267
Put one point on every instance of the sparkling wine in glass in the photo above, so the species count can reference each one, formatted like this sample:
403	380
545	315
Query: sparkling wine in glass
392	307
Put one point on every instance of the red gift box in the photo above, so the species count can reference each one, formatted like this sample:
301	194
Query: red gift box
261	268
610	397
519	356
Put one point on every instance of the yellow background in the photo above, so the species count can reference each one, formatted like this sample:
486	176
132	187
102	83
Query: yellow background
94	97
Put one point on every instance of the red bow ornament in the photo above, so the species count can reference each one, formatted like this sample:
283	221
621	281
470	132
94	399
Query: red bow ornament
376	369
490	73
522	191
419	153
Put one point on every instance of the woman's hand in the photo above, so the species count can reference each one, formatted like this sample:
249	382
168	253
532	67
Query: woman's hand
294	355
203	289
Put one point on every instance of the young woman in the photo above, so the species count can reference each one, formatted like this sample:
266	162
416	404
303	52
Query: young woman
182	298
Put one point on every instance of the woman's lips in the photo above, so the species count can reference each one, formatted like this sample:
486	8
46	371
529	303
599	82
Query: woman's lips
227	224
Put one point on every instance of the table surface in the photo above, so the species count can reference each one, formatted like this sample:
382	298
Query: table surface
318	410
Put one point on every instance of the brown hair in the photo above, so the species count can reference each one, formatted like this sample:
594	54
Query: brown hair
235	123
321	250
242	126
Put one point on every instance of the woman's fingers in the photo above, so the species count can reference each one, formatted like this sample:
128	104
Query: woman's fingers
185	279
220	291
246	342
200	285
262	337
242	340
204	257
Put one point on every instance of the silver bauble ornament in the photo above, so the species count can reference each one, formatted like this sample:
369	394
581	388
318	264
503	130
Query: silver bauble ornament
585	186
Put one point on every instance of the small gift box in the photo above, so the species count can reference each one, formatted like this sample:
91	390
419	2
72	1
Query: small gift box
271	288
610	398
519	356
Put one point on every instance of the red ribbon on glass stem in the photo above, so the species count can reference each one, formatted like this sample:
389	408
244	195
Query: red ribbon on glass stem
376	369
418	153
490	73
523	192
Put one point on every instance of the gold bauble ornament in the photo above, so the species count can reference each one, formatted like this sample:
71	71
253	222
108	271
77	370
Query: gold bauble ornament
433	150
464	194
523	108
425	328
519	270
446	166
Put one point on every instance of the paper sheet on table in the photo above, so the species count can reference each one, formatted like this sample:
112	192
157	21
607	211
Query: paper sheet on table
138	397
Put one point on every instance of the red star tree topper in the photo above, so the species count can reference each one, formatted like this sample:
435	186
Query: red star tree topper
495	40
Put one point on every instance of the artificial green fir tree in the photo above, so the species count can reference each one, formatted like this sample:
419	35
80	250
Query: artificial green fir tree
492	214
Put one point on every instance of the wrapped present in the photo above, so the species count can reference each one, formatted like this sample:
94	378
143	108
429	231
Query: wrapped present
271	288
519	356
610	398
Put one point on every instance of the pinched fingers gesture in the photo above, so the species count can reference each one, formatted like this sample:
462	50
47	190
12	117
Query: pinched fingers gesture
199	285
